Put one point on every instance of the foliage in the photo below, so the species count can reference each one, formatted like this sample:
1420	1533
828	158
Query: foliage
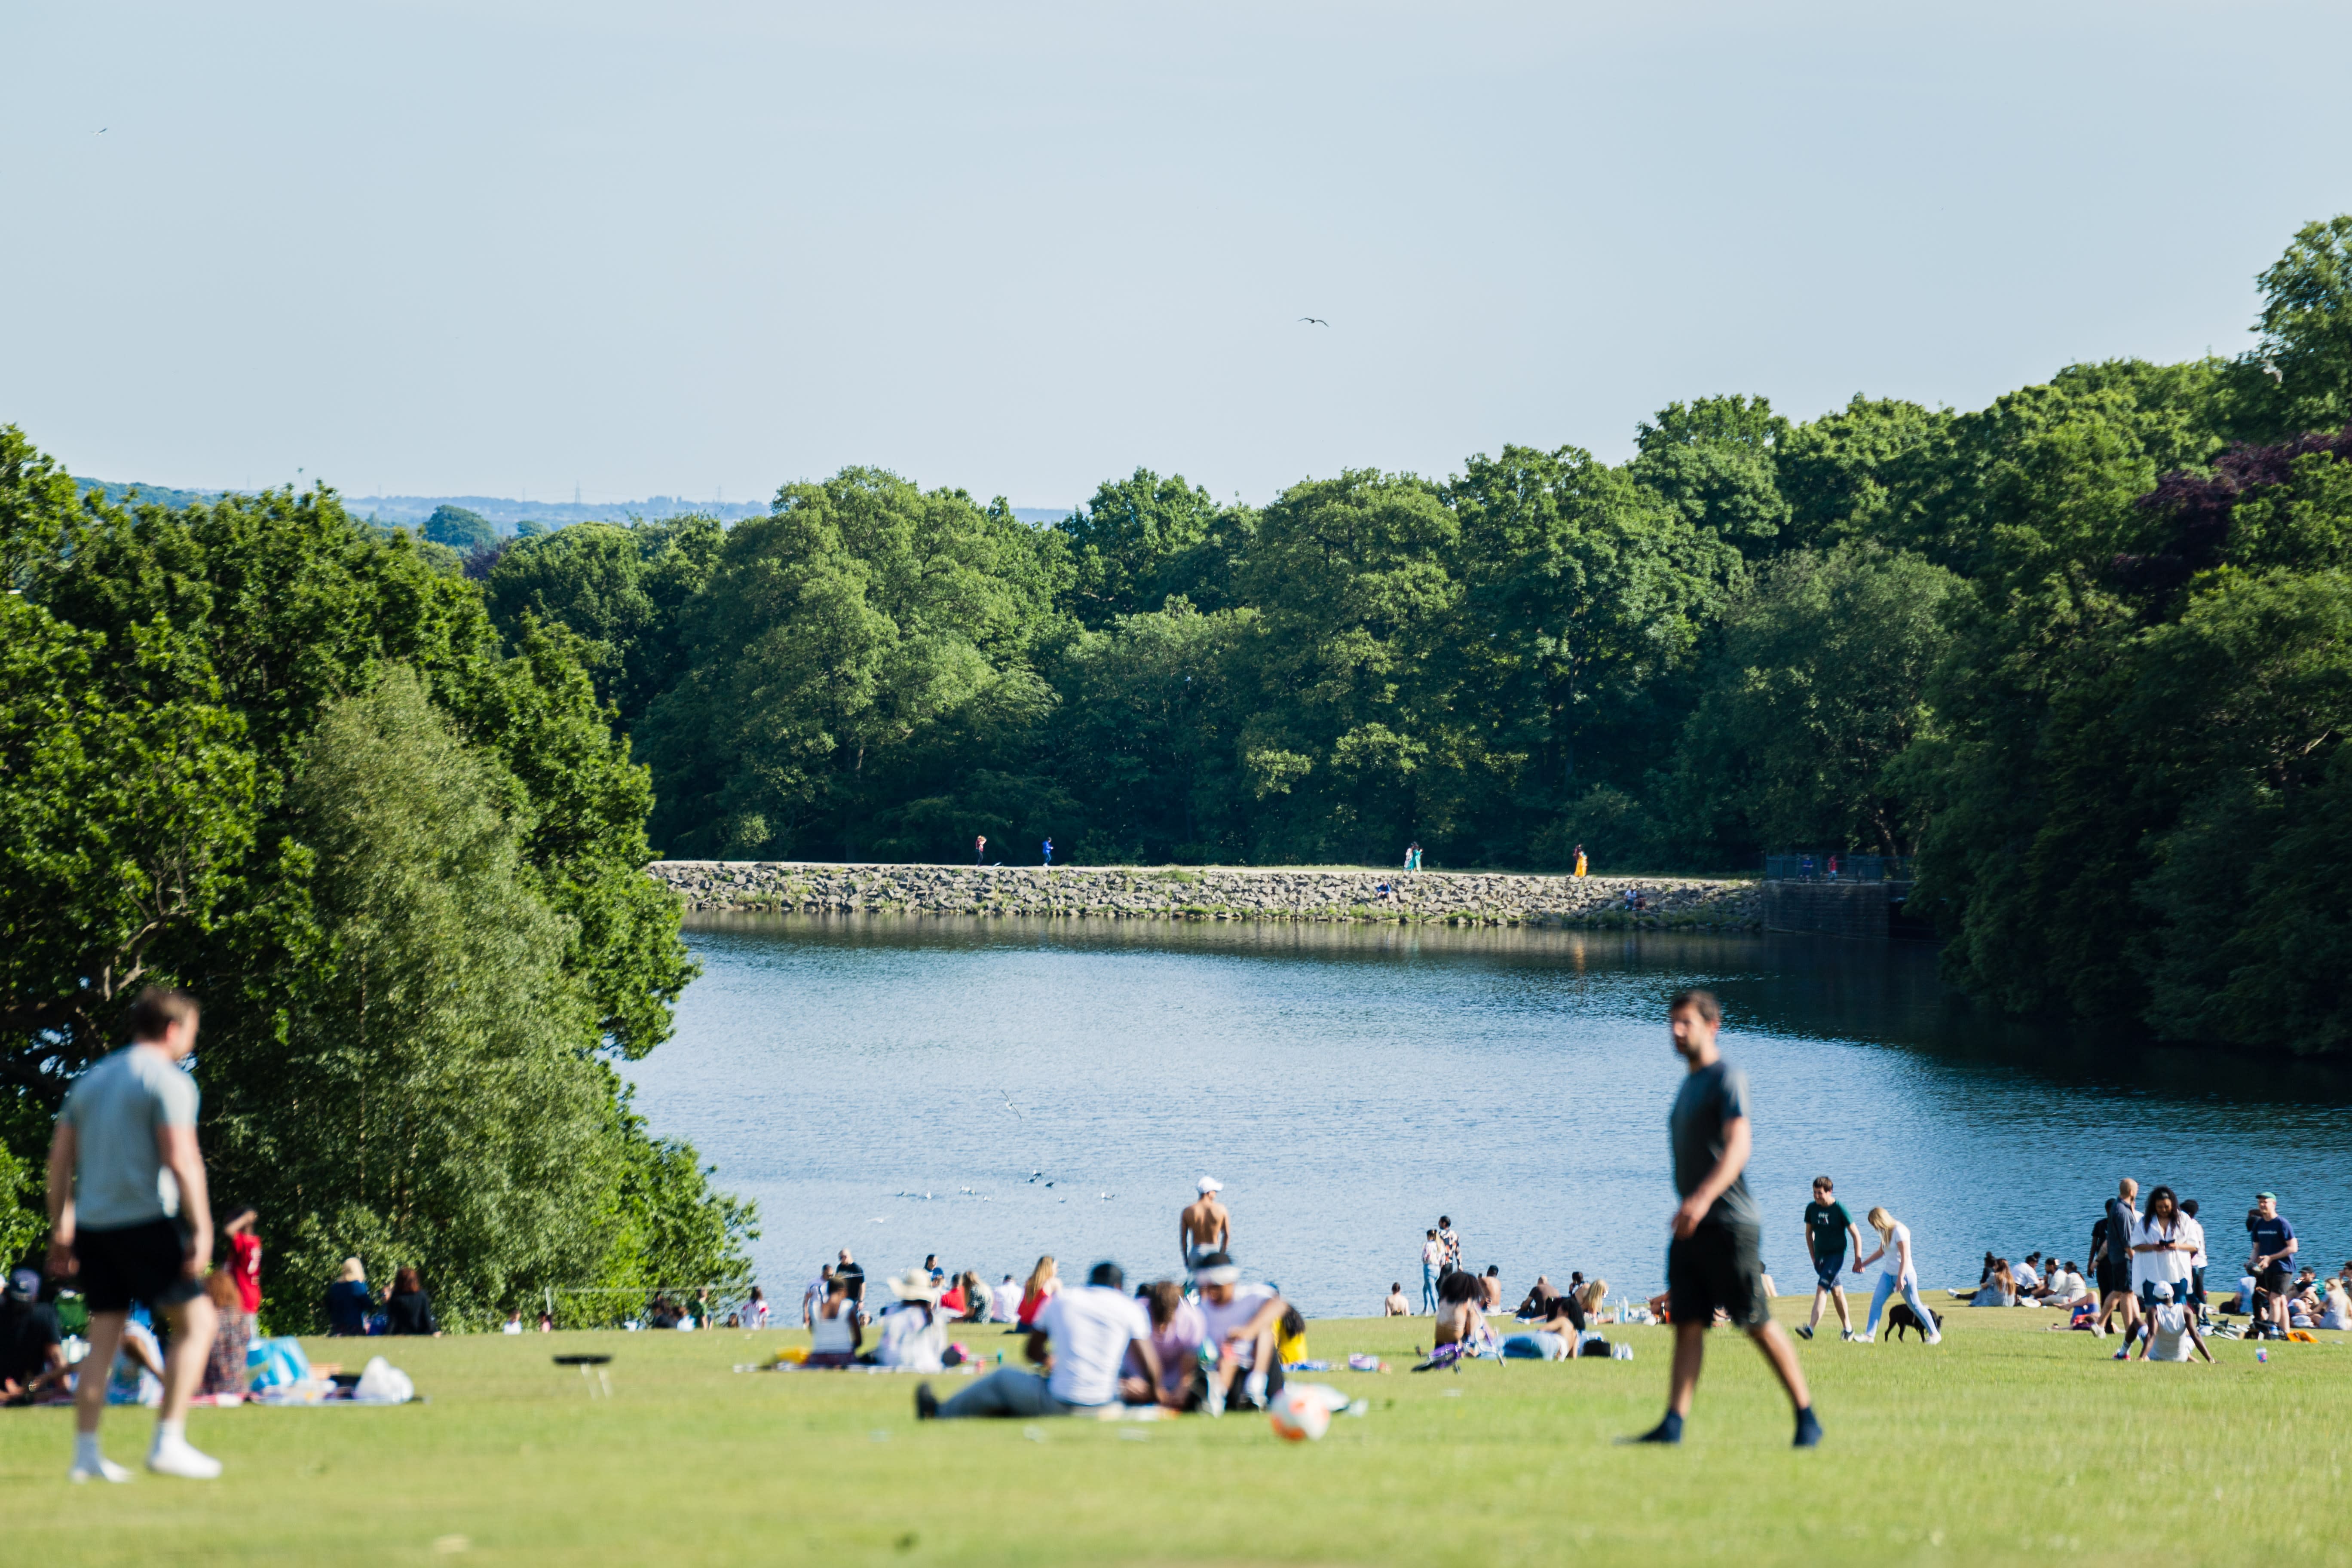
460	529
163	677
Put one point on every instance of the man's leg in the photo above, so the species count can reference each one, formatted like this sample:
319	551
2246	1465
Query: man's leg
90	1398
1690	1354
1009	1391
1846	1317
1777	1350
194	1324
1820	1294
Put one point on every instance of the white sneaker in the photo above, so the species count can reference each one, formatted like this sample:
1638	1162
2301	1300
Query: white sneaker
175	1457
107	1470
1865	1339
1935	1339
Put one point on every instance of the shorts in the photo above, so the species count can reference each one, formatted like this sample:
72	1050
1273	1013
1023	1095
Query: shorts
2114	1279
138	1263
1829	1271
2197	1285
2274	1279
1717	1266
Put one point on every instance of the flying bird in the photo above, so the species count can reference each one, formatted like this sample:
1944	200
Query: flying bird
1316	320
2278	378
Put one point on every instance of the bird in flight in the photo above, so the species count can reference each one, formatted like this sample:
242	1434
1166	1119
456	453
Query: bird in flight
1316	320
2278	378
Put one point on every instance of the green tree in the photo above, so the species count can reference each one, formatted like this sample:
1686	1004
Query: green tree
1715	461
2299	375
460	530
1818	684
1847	475
1143	539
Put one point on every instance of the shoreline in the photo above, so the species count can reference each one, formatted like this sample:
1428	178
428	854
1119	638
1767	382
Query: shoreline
1271	894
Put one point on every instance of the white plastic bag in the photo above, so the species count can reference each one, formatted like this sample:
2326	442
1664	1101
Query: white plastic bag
381	1383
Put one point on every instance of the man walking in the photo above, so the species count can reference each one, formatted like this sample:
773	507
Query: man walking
1452	1243
1714	1260
2113	1266
2274	1247
1203	1226
130	1220
1828	1229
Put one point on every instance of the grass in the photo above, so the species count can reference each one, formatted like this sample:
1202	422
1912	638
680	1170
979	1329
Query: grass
2004	1443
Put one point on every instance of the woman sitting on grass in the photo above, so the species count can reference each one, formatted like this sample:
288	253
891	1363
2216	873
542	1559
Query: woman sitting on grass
2000	1288
1462	1328
834	1333
1037	1292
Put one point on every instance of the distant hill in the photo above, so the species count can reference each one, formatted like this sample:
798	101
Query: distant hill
415	510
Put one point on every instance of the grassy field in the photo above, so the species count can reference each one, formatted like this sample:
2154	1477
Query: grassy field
2005	1443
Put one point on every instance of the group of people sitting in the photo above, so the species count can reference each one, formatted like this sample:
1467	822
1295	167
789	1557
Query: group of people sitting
1223	1345
403	1308
2003	1284
1558	1324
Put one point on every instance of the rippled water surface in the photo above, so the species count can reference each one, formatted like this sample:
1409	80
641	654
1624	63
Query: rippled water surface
891	1085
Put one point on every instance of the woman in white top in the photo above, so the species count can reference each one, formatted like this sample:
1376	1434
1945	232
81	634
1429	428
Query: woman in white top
833	1335
1900	1273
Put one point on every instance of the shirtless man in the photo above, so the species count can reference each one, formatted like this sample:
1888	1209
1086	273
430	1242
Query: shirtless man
1204	1226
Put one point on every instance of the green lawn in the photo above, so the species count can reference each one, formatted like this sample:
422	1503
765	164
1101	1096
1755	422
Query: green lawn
2005	1441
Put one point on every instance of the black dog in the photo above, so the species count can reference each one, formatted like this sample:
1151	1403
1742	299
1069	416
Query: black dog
1900	1317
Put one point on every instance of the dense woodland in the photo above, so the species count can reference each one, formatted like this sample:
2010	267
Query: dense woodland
381	797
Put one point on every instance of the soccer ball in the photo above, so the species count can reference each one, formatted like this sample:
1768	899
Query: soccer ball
1299	1416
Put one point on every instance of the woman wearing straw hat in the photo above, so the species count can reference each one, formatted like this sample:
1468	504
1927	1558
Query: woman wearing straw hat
911	1333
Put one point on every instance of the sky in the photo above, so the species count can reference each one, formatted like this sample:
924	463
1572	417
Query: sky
704	249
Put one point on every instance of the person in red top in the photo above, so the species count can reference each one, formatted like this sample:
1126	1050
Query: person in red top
245	1259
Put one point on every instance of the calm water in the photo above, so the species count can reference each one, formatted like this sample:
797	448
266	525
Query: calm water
891	1086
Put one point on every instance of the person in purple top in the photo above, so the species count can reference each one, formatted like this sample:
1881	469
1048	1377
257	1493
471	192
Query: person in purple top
2274	1246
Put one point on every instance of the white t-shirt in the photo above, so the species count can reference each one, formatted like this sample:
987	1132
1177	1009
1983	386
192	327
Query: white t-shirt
1892	1263
1222	1321
1090	1327
2167	1336
2026	1279
1006	1300
1433	1252
2166	1268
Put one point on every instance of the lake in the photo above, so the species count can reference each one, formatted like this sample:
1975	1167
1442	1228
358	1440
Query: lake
990	1091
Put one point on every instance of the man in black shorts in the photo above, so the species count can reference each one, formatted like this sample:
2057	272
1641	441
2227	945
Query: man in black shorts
129	1221
1829	1229
2113	1264
1713	1261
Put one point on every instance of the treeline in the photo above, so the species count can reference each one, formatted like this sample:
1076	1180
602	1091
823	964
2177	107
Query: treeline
268	752
2077	650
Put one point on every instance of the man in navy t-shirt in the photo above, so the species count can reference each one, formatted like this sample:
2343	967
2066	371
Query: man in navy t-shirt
2274	1249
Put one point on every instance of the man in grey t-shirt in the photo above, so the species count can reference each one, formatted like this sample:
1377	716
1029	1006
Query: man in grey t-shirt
1714	1260
130	1220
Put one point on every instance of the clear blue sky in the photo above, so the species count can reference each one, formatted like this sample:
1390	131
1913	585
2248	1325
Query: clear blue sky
510	247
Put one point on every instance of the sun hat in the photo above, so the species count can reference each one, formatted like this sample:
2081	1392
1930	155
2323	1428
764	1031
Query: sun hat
25	1285
1211	1184
915	1285
2160	1290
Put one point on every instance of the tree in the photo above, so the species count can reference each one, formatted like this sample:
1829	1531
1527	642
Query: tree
1819	684
1714	461
432	1099
460	530
1847	475
2305	337
1144	539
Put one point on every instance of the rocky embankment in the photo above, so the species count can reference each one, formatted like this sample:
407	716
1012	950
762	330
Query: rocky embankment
1223	893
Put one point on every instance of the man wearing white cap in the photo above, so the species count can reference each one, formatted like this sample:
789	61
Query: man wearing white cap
1204	1226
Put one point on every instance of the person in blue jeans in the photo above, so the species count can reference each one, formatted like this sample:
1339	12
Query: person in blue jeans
1900	1272
1433	1268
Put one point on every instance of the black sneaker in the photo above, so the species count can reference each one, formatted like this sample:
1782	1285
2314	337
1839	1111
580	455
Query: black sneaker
1803	1331
1668	1432
1809	1429
926	1403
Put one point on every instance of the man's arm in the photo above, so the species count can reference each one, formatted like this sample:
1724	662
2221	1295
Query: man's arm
1259	1320
1151	1359
63	1151
1738	1141
1854	1231
177	1145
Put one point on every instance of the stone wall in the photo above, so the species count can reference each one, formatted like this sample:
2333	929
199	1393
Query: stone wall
1184	892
